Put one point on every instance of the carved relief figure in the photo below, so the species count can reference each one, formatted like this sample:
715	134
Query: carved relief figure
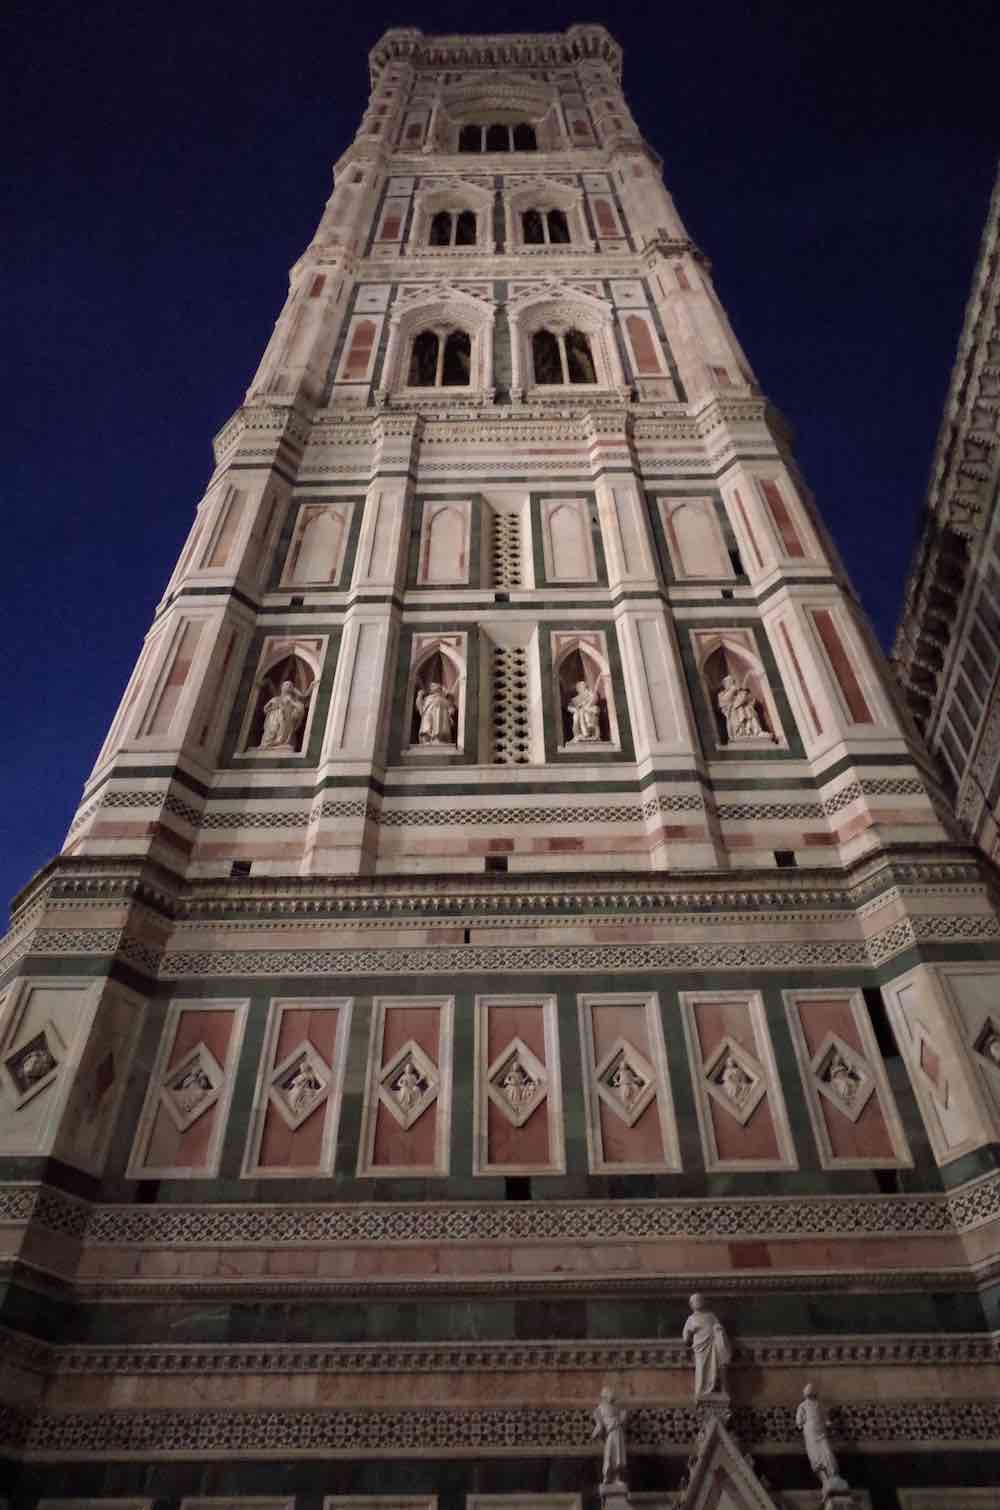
437	712
810	1418
408	1087
739	709
282	716
302	1088
735	1081
993	1048
843	1080
627	1083
609	1423
518	1085
34	1066
192	1088
585	711
706	1337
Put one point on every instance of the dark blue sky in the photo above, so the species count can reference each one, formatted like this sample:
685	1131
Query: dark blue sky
168	163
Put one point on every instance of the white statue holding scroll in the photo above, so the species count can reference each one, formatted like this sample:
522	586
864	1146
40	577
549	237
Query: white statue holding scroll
282	716
585	711
739	708
437	712
810	1418
706	1337
609	1423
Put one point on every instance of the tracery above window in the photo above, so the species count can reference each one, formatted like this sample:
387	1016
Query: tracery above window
453	228
545	228
561	357
440	358
498	137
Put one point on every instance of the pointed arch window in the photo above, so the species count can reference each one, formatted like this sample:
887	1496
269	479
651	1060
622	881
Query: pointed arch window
453	228
440	359
545	228
498	137
562	356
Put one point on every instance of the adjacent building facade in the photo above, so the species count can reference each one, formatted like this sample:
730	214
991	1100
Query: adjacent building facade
947	650
510	898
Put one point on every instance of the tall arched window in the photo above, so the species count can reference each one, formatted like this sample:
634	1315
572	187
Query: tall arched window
498	137
562	357
524	138
545	228
470	139
440	359
453	228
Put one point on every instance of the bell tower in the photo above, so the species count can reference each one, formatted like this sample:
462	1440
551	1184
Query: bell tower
511	895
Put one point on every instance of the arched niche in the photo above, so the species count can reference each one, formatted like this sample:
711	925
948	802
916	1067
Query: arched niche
694	539
444	543
584	692
281	730
729	654
438	665
318	544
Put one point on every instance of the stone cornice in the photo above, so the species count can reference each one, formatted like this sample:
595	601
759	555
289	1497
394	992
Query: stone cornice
577	44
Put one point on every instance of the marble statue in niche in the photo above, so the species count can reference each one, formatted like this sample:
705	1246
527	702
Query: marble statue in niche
810	1418
609	1423
585	713
706	1337
738	707
436	711
283	717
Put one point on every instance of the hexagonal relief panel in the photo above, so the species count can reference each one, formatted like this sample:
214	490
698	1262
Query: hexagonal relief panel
516	1082
299	1084
408	1084
842	1076
626	1081
35	1064
192	1086
735	1080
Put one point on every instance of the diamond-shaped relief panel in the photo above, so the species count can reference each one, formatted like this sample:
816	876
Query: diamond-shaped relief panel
34	1064
735	1080
842	1076
408	1084
930	1065
192	1086
299	1084
626	1081
516	1082
987	1042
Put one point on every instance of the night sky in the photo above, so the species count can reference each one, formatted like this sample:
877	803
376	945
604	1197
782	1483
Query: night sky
166	164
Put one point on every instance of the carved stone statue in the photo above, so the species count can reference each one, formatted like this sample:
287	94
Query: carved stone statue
518	1085
282	716
810	1418
706	1336
627	1083
302	1088
609	1423
437	712
35	1064
192	1088
585	709
739	709
993	1048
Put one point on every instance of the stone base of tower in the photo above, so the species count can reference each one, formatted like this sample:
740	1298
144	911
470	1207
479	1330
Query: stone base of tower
238	1264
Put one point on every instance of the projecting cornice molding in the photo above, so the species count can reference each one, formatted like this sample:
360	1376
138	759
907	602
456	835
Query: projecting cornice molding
407	44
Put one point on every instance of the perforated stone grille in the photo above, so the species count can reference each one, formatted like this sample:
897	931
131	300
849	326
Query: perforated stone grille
511	730
506	560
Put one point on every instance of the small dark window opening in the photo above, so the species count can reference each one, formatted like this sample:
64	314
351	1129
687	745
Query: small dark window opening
785	859
881	1026
470	139
558	228
736	561
524	138
496	864
240	867
545	356
457	360
441	229
534	234
423	360
465	230
497	139
579	362
727	592
517	1188
296	602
